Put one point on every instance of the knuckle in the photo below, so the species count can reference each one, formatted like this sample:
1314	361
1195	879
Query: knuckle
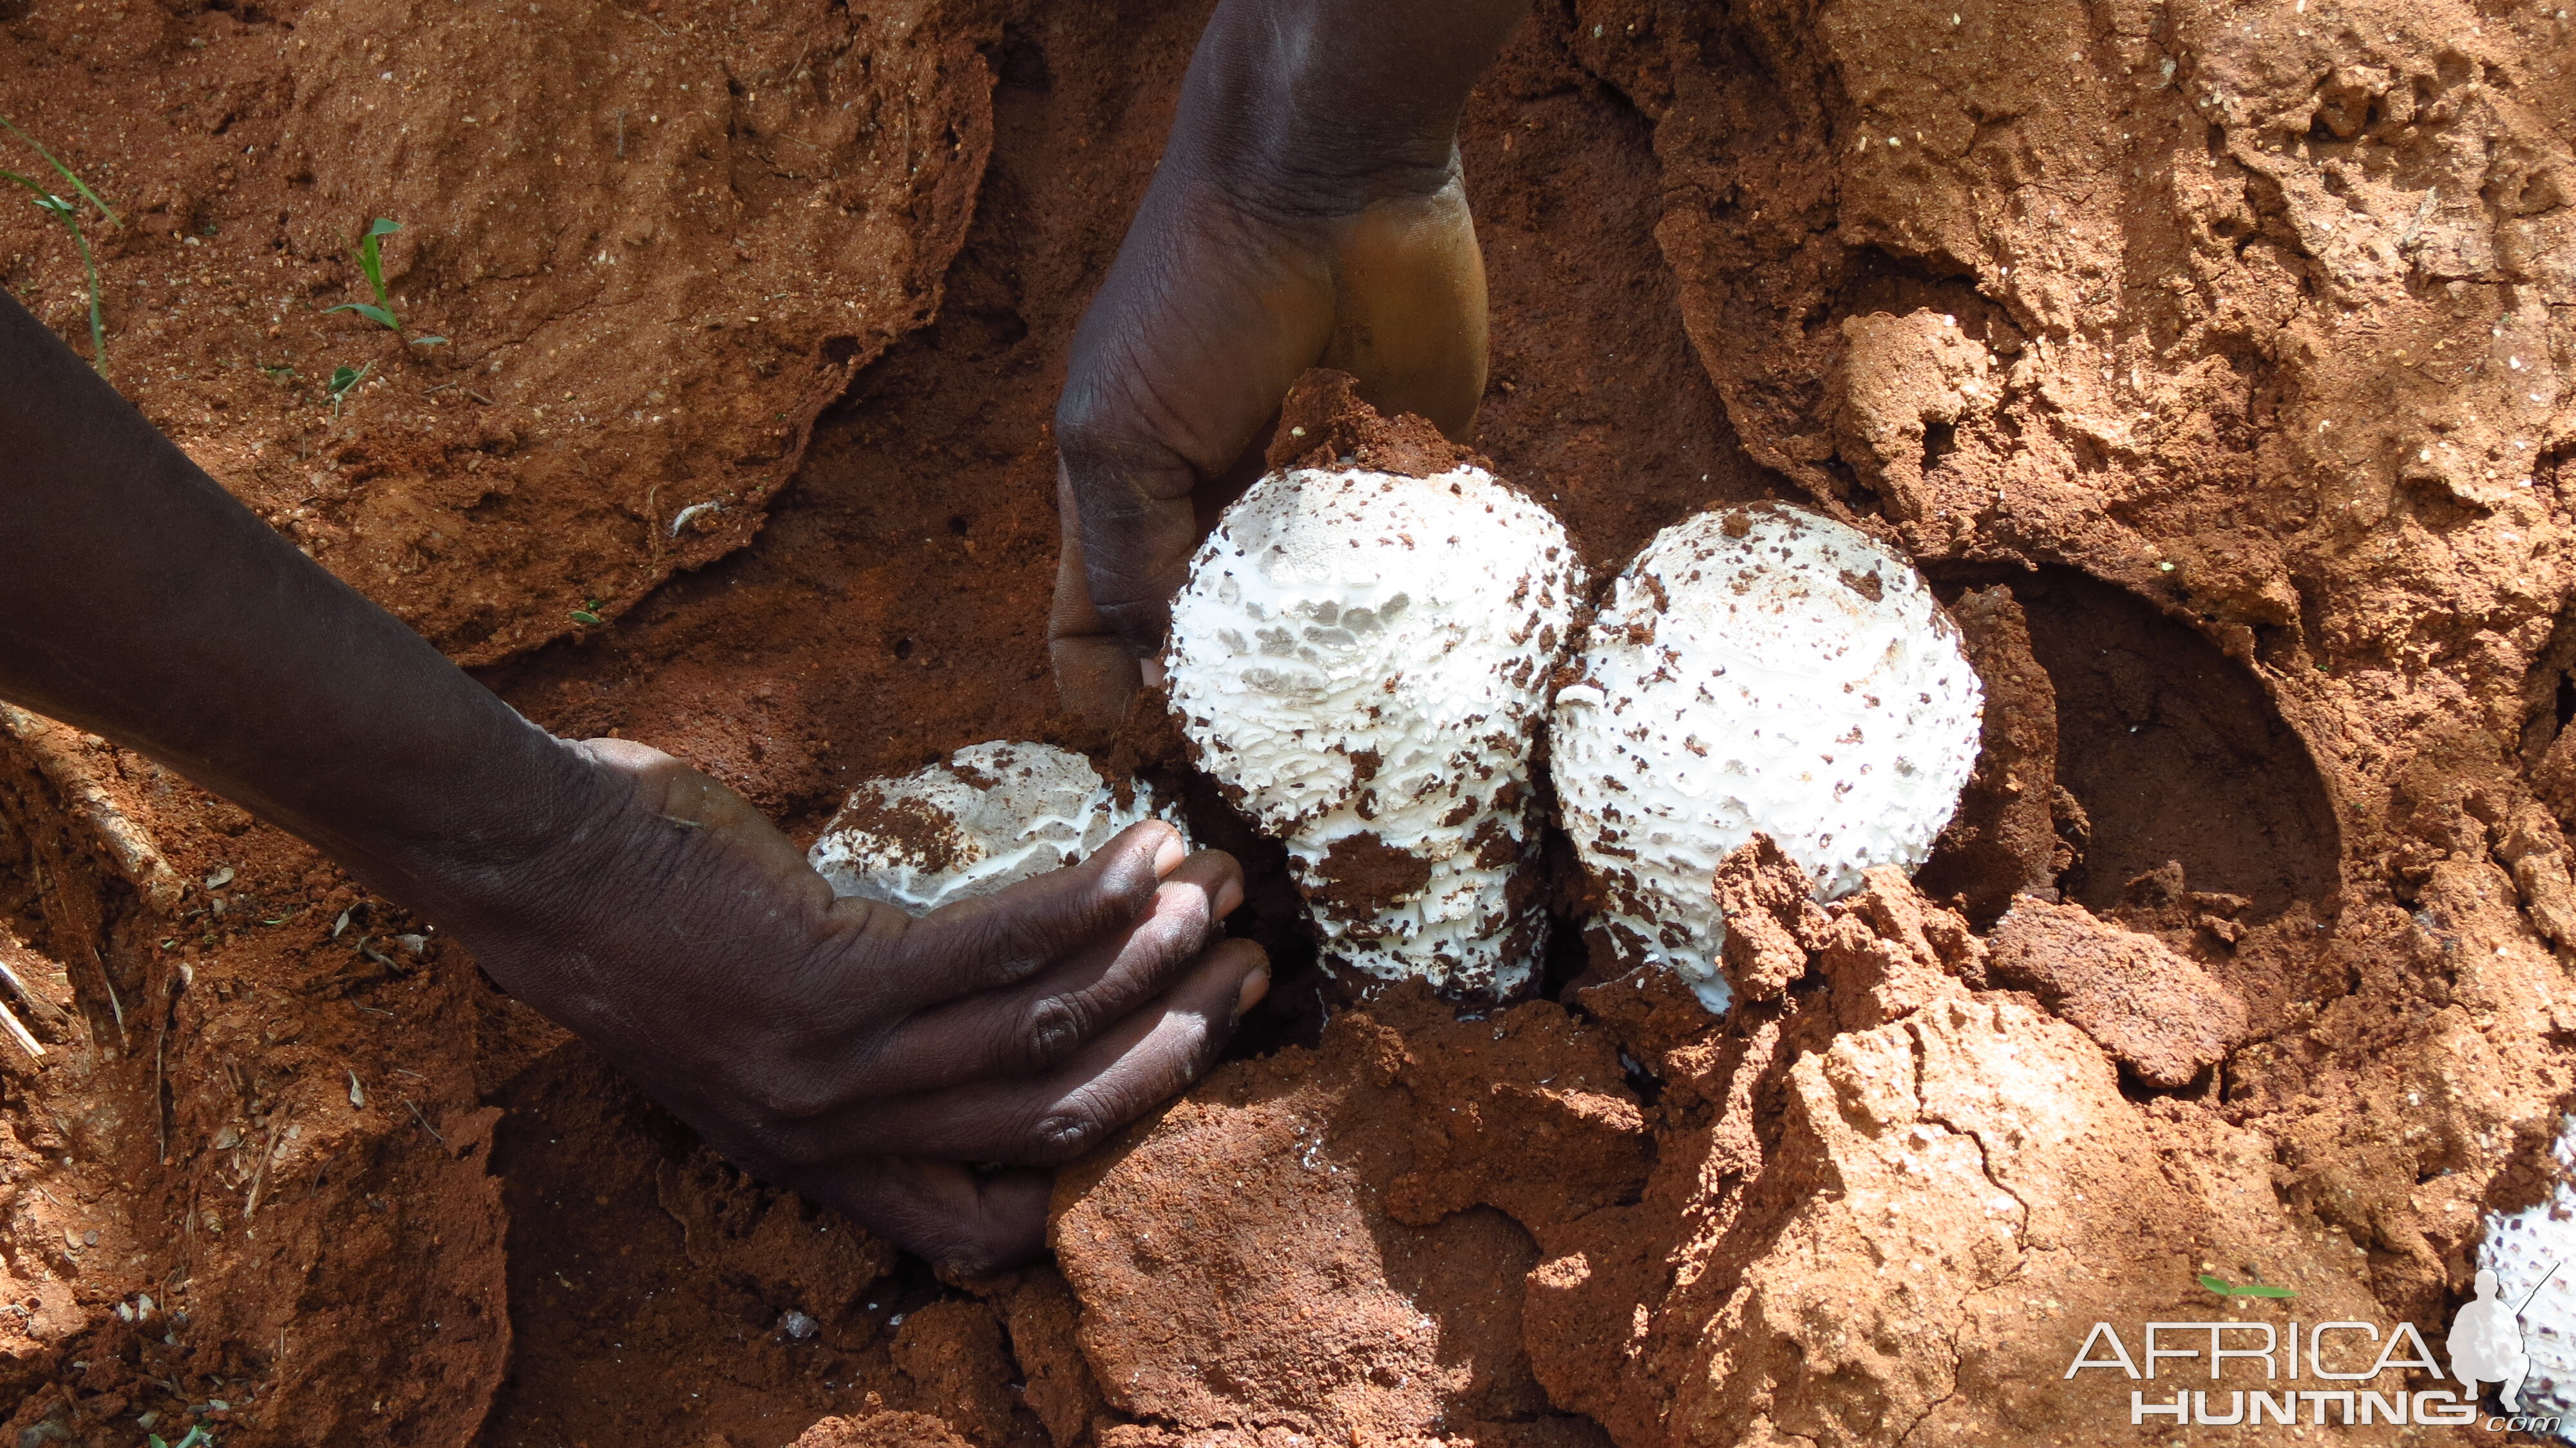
1175	934
793	1095
970	1249
996	941
1016	947
1056	1025
1065	1133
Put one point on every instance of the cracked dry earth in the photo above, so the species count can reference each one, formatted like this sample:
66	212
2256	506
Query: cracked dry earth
2208	356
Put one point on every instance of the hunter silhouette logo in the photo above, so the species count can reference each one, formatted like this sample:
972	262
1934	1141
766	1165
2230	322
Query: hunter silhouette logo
2486	1340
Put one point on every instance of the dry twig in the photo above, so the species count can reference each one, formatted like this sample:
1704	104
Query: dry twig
55	750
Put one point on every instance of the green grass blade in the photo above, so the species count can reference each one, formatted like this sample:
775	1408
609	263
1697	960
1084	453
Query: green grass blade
63	211
371	257
377	315
68	174
372	263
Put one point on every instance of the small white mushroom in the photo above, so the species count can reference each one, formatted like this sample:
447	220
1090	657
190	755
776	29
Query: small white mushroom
1361	660
1757	670
992	815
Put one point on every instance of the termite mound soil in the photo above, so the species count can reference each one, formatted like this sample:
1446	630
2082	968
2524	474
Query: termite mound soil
2207	357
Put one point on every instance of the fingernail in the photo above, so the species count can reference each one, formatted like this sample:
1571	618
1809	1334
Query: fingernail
1229	896
1169	854
1255	986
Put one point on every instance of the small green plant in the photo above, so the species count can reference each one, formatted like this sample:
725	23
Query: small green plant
371	261
342	380
197	1437
69	215
2257	1288
587	614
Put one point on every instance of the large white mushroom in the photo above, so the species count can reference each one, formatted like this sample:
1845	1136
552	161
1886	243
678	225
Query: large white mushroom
1762	670
1362	660
991	815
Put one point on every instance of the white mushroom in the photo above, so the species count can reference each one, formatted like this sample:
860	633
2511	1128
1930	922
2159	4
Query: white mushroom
1361	661
992	815
1757	670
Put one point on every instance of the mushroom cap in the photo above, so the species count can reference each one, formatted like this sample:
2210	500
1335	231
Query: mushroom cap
1758	669
1361	660
991	815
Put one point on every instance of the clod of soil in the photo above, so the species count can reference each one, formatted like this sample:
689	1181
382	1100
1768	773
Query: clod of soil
2153	1010
1771	919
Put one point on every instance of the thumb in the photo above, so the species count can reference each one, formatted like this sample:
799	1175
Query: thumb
1096	670
1409	317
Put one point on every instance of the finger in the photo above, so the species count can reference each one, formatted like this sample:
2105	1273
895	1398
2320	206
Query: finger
1126	1071
1136	555
958	1217
1096	671
1143	1061
1039	1024
1410	319
1004	938
1161	566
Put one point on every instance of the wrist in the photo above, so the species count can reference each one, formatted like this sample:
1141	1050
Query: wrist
500	849
1319	109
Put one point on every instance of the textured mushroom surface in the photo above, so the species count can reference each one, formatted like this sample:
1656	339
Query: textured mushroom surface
991	815
1362	660
1757	669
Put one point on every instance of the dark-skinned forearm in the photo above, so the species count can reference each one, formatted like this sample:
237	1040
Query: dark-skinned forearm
141	601
1353	98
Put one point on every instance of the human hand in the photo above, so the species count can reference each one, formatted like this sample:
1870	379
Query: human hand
1288	226
866	1058
918	1074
